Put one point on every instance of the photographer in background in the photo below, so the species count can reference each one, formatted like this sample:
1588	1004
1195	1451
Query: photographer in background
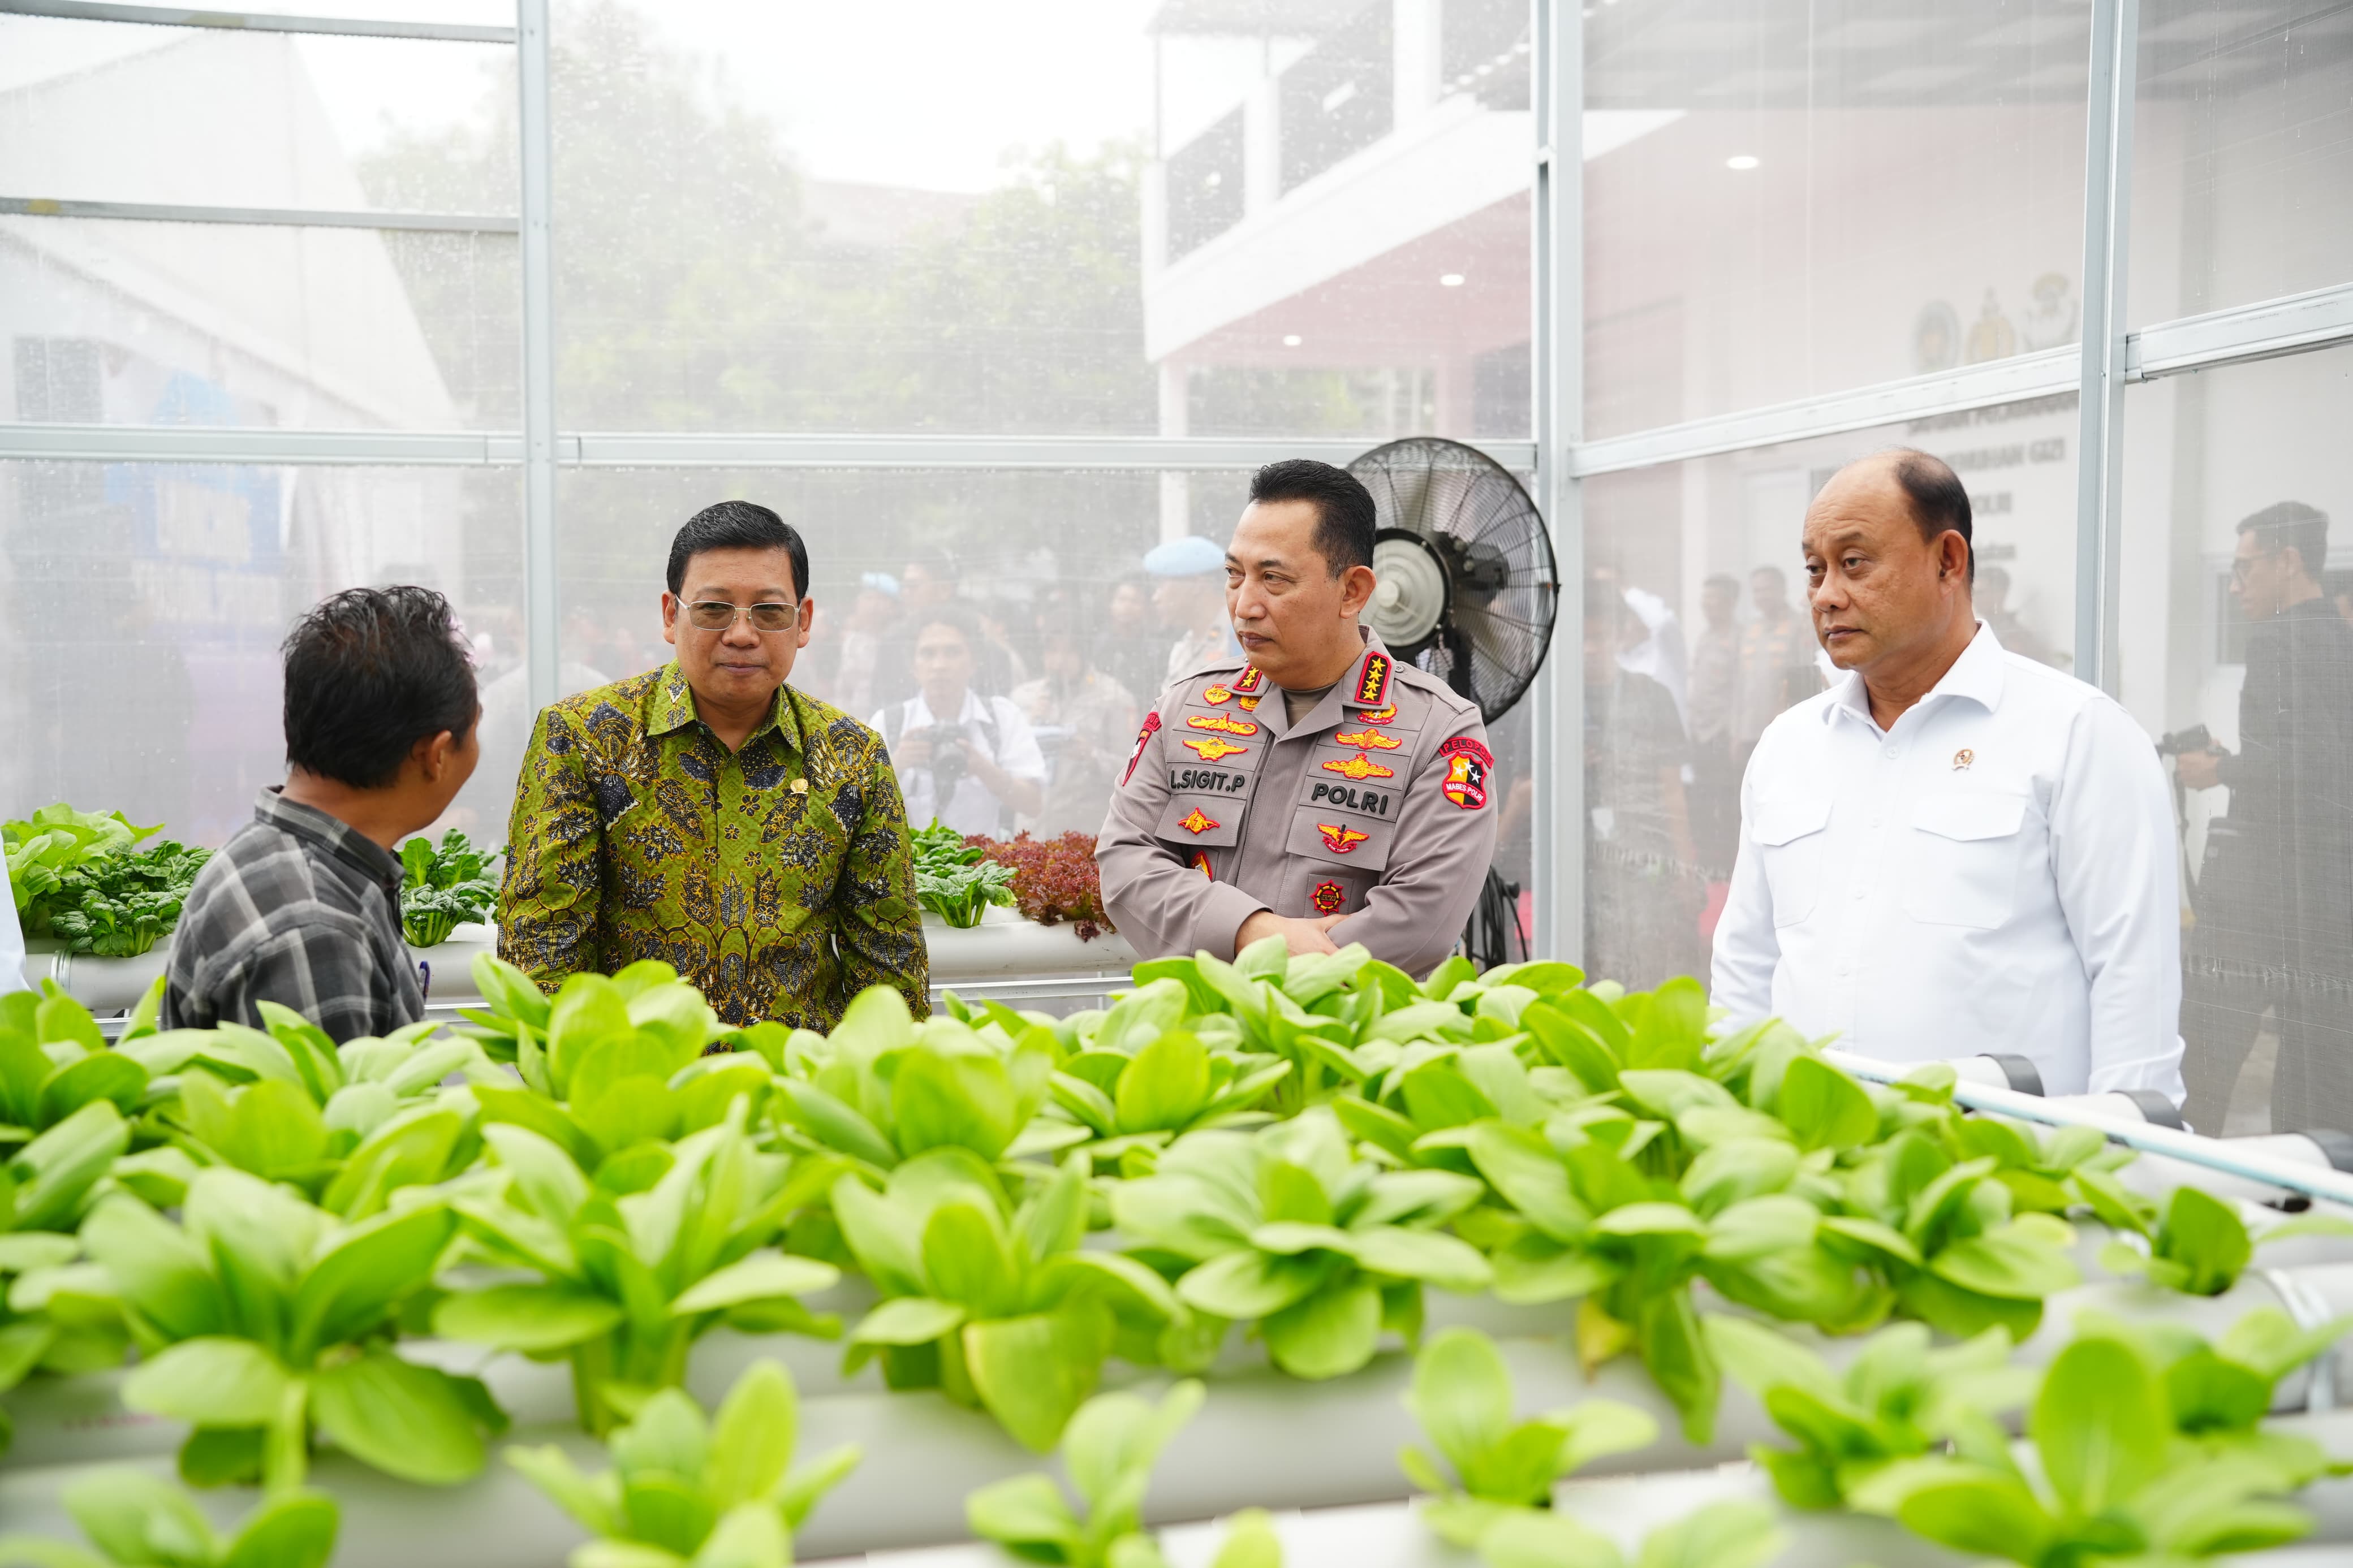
2275	901
969	760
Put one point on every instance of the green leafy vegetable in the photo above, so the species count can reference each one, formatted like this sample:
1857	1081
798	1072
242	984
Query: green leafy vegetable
138	1521
1108	1451
696	1493
55	843
955	880
1463	1398
441	887
1720	1535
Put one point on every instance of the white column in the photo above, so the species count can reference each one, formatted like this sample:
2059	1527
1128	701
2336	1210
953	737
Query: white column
1176	488
1415	39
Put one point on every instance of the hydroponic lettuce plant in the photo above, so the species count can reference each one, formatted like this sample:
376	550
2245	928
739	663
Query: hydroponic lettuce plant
262	1318
883	1089
55	842
2198	1246
1172	1084
1054	879
122	905
625	1279
1720	1535
136	1520
1898	1399
2112	1477
1286	1227
1462	1395
54	1061
1108	1452
687	1493
954	879
53	1316
997	1306
443	886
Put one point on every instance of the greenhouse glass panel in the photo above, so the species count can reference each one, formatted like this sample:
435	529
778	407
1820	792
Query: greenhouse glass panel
1698	636
2242	155
1788	201
145	603
2234	635
1098	217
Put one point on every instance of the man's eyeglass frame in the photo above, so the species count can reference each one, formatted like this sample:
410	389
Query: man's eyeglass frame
787	618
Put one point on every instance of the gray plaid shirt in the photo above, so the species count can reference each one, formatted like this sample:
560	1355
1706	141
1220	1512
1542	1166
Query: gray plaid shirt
297	909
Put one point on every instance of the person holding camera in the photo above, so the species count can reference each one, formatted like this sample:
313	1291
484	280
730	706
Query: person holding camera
971	761
2274	897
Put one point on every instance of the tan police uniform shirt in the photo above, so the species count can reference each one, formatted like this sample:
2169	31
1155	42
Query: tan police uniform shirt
1379	804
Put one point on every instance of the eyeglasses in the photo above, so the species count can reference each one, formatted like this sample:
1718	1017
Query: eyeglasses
717	615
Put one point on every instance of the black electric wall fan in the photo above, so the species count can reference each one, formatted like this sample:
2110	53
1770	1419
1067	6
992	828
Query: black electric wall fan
1467	589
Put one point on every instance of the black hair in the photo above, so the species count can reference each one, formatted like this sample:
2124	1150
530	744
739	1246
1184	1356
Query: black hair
737	525
2292	523
369	673
1344	514
1939	502
1722	580
959	618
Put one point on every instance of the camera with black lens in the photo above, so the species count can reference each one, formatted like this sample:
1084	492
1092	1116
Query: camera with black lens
947	765
2182	743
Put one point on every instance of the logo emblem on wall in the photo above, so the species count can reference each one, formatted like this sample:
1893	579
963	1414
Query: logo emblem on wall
1329	897
1195	821
1373	681
1143	739
1467	762
1221	721
1359	766
1210	749
1340	839
1371	738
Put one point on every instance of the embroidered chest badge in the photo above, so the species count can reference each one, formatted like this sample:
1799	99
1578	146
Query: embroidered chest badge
1962	759
1143	739
1201	862
1216	695
1467	762
1373	681
1359	767
1210	749
1340	839
1385	714
1247	704
1328	897
1224	722
1195	821
1371	738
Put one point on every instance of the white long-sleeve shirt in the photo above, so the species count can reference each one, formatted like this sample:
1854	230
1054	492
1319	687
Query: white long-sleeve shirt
12	939
1994	874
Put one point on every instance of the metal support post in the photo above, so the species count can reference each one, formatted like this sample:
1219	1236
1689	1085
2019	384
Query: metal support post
538	355
2099	443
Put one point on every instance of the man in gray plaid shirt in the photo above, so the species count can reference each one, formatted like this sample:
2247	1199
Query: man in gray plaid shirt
303	905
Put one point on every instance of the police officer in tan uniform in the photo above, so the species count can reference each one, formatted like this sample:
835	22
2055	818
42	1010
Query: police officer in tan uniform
1324	791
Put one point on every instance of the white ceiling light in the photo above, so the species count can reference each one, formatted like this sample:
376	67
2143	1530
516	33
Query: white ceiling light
1291	340
1449	280
1741	160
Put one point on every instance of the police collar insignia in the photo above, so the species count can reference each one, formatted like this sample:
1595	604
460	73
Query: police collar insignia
1143	739
1195	821
1339	838
1372	681
1467	762
1250	682
1328	897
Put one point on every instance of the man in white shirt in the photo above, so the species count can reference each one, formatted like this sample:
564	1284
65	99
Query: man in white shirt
972	762
1955	850
12	939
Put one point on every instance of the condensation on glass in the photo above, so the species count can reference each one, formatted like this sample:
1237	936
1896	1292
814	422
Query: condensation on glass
145	603
1697	636
1784	201
2236	596
2242	155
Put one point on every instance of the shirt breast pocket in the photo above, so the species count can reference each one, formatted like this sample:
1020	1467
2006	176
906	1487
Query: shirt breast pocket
1790	840
1966	853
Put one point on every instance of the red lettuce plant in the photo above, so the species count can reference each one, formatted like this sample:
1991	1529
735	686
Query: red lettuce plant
1054	878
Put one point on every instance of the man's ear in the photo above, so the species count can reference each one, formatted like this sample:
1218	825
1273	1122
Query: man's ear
1356	584
670	617
432	754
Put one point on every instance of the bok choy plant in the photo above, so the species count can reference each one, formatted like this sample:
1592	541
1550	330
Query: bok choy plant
687	1493
138	1521
1720	1535
1286	1227
1108	1453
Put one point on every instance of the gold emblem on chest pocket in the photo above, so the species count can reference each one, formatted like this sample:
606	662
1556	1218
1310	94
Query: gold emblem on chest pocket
1210	749
1359	766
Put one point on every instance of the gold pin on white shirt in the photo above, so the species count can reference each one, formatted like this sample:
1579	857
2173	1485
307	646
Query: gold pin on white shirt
1962	759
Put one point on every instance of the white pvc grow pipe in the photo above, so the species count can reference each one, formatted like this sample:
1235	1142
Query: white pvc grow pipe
2262	1165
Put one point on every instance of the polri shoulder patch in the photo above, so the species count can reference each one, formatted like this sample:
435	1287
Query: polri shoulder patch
1143	739
1372	681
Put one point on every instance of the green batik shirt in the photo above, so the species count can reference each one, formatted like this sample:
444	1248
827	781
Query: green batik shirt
779	879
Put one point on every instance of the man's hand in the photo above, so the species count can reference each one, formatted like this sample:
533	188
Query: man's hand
2199	770
1300	936
914	750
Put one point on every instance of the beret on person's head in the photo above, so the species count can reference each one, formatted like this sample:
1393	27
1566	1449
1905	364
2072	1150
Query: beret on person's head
1191	556
881	581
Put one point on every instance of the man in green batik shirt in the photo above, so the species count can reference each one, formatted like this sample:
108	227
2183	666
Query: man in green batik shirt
707	814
